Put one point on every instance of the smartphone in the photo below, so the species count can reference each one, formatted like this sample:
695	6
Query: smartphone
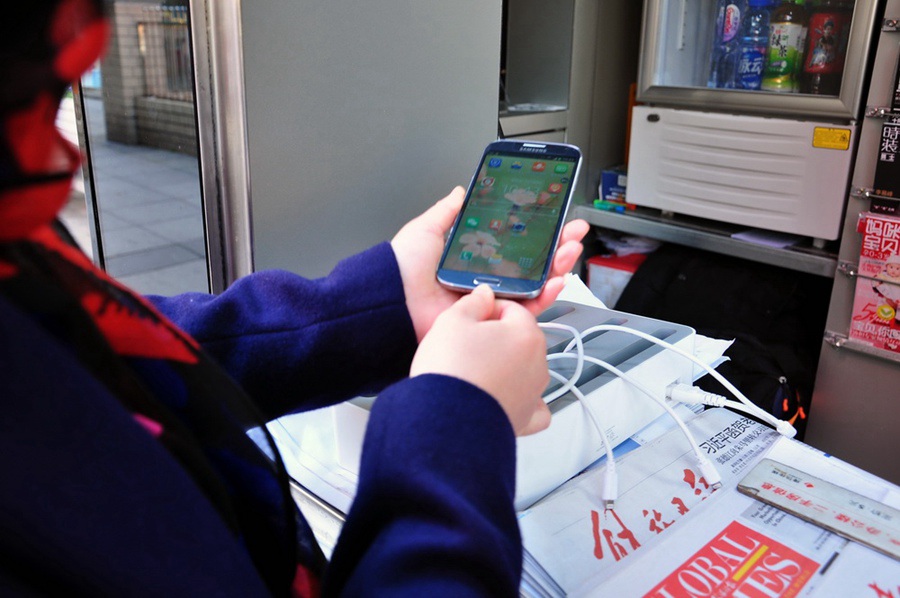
507	230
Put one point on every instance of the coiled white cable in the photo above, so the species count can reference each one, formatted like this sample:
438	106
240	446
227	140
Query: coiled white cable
677	392
784	428
609	491
644	389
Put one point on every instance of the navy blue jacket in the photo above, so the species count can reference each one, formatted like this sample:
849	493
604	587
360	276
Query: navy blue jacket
92	503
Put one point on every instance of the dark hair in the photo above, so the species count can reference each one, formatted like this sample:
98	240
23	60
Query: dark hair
27	51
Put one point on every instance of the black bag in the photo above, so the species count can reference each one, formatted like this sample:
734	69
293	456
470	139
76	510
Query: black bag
776	317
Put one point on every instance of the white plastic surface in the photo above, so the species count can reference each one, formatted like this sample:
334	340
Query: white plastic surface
547	459
760	172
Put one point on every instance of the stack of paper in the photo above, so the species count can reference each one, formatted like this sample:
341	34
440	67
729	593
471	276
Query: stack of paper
670	535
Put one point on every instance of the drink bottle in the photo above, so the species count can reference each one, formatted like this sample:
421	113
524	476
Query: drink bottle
787	33
754	42
826	45
723	71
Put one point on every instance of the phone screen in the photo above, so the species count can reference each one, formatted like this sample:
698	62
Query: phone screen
510	220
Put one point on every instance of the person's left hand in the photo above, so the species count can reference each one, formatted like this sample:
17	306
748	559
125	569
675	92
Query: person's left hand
418	247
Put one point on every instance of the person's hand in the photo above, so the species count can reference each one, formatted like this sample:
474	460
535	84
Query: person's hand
497	346
418	247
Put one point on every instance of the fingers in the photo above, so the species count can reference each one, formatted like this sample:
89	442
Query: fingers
442	214
565	258
548	295
570	247
437	219
514	313
478	305
540	420
574	230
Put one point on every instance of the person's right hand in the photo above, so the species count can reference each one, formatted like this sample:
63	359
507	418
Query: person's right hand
497	346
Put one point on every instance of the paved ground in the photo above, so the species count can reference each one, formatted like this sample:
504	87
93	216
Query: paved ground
151	225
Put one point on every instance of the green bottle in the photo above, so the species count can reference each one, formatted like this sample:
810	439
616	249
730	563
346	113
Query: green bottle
787	36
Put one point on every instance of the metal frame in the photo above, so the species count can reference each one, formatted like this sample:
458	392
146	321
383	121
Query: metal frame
845	107
810	260
87	171
222	134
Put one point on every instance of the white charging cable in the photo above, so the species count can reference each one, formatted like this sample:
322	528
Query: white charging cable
609	492
684	393
746	405
706	467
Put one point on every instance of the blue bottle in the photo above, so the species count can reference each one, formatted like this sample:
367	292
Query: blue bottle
754	45
723	71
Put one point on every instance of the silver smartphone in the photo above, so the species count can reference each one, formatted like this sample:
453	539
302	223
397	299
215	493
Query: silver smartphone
509	226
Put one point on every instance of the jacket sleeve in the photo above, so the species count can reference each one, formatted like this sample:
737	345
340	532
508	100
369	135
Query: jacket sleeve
298	344
433	513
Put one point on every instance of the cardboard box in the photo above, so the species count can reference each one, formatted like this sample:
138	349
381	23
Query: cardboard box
613	182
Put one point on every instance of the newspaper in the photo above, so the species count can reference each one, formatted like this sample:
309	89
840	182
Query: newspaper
671	536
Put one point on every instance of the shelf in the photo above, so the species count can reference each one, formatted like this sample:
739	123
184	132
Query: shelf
519	123
710	236
842	341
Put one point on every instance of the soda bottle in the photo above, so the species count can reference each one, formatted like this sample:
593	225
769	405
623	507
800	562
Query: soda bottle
753	45
826	45
726	45
787	33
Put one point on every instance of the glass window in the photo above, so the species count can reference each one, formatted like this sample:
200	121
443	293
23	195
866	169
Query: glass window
136	108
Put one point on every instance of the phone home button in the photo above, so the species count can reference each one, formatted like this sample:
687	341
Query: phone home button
492	282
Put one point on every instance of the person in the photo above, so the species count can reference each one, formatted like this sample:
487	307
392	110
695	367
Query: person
127	467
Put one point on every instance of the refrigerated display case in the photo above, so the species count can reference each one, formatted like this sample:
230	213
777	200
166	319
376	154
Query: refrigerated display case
771	160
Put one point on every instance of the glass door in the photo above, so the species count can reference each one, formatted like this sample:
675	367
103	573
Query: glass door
772	57
137	208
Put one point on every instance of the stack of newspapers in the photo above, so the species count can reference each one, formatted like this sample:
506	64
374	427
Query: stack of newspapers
670	534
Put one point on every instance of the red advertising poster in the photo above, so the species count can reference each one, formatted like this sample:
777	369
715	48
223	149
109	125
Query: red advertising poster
875	319
739	562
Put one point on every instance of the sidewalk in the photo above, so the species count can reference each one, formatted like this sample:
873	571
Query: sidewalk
151	221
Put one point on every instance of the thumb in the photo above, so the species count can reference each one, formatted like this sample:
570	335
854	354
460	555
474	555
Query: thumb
442	214
477	305
539	421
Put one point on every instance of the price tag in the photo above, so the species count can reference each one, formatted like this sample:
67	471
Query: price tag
827	505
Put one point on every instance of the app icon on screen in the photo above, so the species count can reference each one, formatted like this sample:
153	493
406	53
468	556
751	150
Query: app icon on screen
495	162
487	181
561	168
517	165
539	166
472	222
495	225
466	256
554	187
